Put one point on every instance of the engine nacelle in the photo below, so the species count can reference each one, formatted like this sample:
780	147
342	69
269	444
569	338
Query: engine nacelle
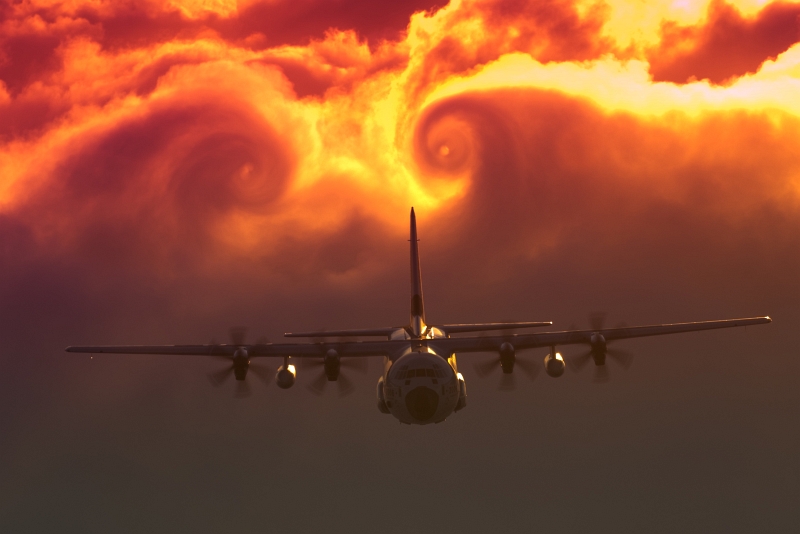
507	357
241	363
285	376
382	407
554	364
333	364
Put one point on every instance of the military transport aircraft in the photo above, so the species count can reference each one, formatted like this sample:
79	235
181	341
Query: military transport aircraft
420	383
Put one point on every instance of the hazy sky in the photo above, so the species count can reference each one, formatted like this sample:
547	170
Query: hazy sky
171	169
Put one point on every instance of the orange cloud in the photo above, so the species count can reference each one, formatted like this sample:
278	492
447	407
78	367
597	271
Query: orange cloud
176	138
728	45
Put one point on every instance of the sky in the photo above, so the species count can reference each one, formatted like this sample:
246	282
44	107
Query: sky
171	169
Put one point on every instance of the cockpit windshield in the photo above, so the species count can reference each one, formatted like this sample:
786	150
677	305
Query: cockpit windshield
420	373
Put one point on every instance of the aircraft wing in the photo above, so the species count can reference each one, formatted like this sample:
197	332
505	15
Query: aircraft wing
363	332
575	337
446	328
444	345
484	327
297	350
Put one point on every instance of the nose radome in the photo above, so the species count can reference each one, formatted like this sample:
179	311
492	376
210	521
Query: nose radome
422	403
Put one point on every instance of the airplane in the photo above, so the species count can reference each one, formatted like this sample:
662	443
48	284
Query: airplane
420	383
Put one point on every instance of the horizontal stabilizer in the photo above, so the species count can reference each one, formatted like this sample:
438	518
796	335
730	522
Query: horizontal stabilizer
366	332
484	327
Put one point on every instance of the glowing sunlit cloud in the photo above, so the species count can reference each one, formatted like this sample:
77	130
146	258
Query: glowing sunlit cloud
637	24
198	8
352	142
626	86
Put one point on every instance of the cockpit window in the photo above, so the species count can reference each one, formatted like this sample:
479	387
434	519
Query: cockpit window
412	373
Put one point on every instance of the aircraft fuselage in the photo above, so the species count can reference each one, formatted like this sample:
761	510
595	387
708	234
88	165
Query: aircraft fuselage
419	385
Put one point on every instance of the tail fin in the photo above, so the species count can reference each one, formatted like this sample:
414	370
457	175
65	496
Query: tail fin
417	305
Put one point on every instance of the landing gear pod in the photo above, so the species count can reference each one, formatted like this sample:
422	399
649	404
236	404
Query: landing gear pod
382	407
554	363
462	393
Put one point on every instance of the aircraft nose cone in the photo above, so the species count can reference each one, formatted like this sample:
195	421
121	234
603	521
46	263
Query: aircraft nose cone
422	403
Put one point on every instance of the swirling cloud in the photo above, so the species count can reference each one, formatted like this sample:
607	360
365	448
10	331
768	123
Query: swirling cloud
167	137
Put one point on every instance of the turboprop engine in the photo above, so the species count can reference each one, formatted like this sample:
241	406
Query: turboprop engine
507	357
241	362
554	363
507	361
333	370
333	364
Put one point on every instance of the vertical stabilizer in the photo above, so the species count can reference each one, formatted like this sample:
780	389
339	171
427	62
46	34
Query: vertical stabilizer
417	306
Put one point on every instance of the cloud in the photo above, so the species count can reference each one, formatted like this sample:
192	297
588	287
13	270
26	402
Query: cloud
518	128
726	46
550	172
295	22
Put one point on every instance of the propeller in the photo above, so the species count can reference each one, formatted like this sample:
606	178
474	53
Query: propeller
599	349
331	366
506	360
239	365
